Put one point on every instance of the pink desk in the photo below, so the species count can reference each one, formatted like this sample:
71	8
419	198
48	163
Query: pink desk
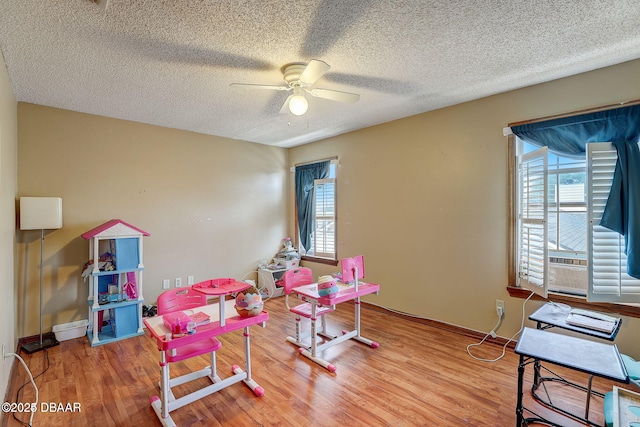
309	293
224	318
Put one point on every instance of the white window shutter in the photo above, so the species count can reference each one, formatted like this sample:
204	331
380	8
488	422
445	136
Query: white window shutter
325	214
608	280
533	270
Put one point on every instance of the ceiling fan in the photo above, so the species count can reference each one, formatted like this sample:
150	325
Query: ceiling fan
299	77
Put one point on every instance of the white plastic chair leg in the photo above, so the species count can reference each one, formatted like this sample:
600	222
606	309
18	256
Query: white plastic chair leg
214	369
298	330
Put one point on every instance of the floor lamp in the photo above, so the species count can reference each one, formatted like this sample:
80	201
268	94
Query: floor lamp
40	213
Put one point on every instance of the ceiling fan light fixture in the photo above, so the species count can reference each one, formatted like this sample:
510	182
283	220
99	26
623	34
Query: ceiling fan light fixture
298	104
299	77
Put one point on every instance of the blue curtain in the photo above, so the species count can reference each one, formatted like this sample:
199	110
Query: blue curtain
622	211
305	194
621	126
569	135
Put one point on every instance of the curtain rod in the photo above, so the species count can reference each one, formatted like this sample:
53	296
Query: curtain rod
316	161
507	131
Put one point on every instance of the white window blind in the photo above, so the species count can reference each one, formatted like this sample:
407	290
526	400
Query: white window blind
532	221
608	280
324	242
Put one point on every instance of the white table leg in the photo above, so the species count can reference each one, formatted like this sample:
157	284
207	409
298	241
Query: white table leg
359	337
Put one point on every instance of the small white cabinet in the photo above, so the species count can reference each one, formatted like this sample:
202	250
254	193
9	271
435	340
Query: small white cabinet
114	272
269	279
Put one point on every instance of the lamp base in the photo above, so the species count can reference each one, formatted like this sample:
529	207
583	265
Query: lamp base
35	346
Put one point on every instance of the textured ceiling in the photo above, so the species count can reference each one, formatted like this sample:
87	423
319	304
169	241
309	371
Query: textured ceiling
170	62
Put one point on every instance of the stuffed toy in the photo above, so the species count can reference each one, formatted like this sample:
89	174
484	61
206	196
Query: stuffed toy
249	302
327	286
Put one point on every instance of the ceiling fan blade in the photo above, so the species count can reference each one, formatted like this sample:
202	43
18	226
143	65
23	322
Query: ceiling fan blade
285	106
334	95
313	71
268	87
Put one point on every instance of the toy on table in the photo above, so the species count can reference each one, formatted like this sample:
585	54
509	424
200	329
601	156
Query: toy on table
249	302
327	286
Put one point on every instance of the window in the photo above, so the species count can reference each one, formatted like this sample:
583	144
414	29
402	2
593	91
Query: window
560	245
316	209
323	239
593	180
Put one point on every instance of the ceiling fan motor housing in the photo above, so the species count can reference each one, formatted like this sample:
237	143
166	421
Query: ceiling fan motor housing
291	72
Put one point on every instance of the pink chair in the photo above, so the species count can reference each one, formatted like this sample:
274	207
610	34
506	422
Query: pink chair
188	299
298	277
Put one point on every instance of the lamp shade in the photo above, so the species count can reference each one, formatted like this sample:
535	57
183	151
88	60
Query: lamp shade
40	213
298	103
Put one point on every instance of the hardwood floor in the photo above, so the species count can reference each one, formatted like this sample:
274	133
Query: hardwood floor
420	375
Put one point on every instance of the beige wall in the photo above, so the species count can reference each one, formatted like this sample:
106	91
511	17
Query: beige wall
214	206
8	188
425	200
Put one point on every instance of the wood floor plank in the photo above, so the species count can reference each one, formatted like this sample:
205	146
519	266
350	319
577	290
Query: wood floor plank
421	375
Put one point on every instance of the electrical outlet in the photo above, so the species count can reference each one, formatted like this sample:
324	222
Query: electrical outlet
166	284
178	282
500	307
189	280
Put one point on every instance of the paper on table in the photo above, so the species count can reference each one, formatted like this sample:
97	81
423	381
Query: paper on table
590	323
